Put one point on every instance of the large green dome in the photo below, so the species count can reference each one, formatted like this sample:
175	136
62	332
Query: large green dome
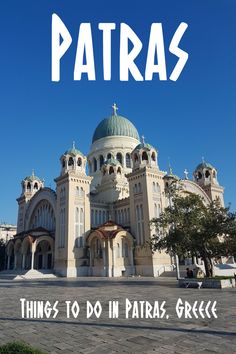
115	125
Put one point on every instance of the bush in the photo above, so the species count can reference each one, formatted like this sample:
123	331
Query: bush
18	347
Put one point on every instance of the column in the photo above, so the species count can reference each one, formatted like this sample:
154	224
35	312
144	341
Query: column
105	263
32	260
8	262
23	261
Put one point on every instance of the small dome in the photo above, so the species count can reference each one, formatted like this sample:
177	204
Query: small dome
172	176
113	126
32	178
203	165
144	146
112	161
73	151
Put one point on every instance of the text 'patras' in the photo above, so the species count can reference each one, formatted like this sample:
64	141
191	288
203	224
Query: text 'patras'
84	58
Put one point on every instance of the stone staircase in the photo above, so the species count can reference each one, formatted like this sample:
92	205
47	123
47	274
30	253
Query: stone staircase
27	274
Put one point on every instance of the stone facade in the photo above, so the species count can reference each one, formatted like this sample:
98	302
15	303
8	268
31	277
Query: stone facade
97	223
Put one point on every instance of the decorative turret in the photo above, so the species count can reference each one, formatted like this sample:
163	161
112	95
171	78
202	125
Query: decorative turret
170	178
205	175
144	155
73	160
31	184
112	167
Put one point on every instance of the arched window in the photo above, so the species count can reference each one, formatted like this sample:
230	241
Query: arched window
94	165
79	161
154	187
144	156
128	160
28	187
81	191
139	188
101	160
77	192
135	157
119	157
155	211
119	170
109	156
158	189
36	186
153	156
118	250
71	162
100	217
111	170
207	174
63	163
199	175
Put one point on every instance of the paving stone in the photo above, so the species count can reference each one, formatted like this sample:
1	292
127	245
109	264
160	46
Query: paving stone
104	335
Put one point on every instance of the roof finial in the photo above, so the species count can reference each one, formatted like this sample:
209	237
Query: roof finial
115	109
143	137
203	159
73	144
170	168
33	172
186	173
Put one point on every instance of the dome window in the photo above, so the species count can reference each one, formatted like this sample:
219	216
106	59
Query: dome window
119	157
36	187
109	156
79	162
135	157
94	165
28	187
207	174
128	160
119	170
63	163
101	159
153	156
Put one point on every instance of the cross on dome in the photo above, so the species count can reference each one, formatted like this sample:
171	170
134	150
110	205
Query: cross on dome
143	137
115	109
186	173
73	144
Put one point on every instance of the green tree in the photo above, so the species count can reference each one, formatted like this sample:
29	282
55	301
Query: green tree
188	225
2	254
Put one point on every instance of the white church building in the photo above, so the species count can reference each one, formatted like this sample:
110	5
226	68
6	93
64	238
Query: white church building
96	223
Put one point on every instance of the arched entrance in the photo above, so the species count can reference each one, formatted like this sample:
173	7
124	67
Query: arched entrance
27	253
43	257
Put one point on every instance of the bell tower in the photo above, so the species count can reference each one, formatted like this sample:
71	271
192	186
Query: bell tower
146	186
30	185
205	175
73	214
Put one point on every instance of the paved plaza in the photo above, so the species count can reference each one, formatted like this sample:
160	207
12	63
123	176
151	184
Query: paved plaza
105	335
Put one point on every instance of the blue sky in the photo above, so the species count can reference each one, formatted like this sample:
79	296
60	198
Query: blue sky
185	120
